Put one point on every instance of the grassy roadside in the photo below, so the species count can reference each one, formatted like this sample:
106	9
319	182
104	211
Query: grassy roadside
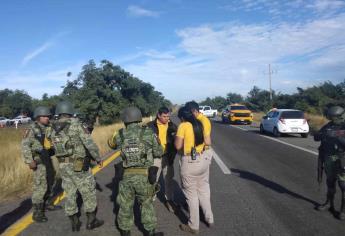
16	177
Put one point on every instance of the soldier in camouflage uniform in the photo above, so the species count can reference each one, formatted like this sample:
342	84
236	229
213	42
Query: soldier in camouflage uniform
71	143
331	156
139	149
36	152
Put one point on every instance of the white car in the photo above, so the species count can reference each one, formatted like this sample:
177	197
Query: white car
207	111
21	119
4	121
285	121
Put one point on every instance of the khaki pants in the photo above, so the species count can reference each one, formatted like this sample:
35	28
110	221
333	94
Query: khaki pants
168	176
196	187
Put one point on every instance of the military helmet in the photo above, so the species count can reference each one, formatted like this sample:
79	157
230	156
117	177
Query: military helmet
64	107
131	114
41	111
335	111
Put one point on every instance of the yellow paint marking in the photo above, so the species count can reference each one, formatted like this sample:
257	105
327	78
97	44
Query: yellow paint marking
26	220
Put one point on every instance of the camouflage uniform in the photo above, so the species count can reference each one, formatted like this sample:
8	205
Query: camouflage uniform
331	156
76	180
31	149
135	181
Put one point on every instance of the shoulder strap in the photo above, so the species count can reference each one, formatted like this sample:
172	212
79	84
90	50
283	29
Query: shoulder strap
142	133
121	135
40	137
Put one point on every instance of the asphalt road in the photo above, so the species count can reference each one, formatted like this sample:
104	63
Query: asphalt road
272	190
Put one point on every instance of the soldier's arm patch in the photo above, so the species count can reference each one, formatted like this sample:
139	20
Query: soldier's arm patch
26	133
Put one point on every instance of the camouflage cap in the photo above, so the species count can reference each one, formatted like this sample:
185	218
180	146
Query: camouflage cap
64	107
131	114
41	111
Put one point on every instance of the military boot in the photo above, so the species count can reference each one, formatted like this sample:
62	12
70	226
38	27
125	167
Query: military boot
35	212
328	205
125	232
92	221
75	222
38	214
153	233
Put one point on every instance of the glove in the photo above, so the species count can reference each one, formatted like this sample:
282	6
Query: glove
33	165
152	174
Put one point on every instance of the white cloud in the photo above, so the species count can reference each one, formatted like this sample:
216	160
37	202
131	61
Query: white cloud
30	56
216	59
137	11
324	5
40	82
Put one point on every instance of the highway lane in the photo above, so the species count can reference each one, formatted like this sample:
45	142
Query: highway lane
272	191
280	177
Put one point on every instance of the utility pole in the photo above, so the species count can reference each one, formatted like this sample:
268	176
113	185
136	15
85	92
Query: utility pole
270	80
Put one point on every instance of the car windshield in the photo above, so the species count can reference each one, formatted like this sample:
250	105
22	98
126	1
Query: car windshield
239	108
292	115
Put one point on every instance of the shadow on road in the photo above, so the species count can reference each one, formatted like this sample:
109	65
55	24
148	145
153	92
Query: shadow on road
270	184
10	218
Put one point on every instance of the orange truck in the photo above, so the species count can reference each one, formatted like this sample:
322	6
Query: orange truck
237	113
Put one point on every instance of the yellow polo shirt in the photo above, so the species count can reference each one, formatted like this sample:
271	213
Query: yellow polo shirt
162	134
185	131
205	123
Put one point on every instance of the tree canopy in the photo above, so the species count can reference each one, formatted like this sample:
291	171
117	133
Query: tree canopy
99	93
315	99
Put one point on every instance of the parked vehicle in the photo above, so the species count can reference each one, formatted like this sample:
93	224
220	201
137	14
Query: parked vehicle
207	111
4	121
285	121
237	113
21	119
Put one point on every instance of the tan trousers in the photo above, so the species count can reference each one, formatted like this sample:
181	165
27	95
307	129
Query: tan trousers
168	176
196	187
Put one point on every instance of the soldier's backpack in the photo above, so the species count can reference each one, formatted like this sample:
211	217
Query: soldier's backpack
133	149
60	140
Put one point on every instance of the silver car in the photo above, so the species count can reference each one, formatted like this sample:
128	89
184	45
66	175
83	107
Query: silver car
4	121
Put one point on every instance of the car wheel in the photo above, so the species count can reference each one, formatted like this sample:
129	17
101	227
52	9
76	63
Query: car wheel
304	135
276	133
262	131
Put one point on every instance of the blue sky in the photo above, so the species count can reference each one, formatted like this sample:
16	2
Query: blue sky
185	49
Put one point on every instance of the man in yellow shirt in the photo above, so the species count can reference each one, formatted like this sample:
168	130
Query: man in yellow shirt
165	129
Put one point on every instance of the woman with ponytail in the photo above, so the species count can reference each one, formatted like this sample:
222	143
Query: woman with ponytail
194	170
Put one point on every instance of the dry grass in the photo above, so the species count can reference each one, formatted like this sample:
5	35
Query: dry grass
15	176
315	121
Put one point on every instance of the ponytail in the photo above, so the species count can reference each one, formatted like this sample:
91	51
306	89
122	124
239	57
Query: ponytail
186	115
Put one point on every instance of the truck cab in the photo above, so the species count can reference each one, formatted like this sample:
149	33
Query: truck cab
237	113
207	111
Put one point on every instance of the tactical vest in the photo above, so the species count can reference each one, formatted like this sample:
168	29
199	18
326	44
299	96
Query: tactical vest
60	140
66	141
133	148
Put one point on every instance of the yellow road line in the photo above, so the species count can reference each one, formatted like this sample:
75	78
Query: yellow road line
26	220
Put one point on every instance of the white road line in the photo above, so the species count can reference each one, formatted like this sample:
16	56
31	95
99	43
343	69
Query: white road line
221	164
280	141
